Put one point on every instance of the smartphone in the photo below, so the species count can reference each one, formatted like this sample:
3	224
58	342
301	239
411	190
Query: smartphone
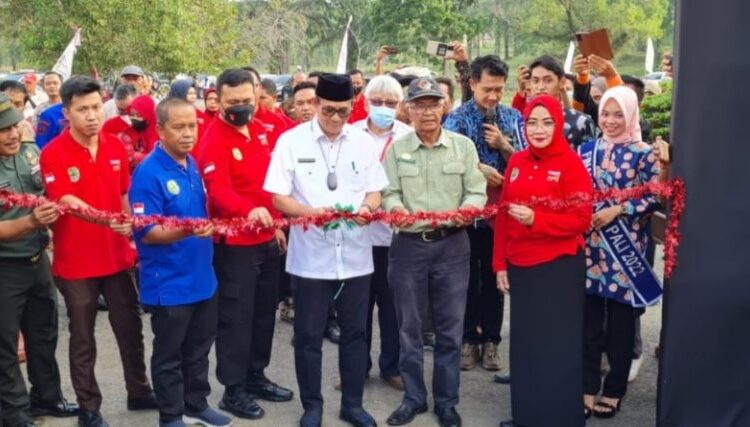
391	50
439	49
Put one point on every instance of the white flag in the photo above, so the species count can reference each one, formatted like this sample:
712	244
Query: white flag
64	65
650	56
569	58
341	65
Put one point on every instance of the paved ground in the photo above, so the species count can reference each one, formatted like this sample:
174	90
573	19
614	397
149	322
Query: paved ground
483	403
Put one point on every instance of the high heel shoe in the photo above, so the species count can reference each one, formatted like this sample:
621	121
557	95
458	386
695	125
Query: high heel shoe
613	409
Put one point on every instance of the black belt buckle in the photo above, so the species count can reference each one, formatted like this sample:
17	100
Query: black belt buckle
425	235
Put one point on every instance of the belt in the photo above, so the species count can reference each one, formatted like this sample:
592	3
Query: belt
22	260
432	235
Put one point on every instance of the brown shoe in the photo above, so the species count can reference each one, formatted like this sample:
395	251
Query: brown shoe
395	382
469	356
490	357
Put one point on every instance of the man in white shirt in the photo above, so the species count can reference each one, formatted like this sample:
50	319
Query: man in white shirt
316	166
383	95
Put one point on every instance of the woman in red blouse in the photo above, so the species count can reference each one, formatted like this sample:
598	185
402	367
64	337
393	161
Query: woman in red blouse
538	252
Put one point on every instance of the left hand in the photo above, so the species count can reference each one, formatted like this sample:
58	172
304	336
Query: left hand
521	213
281	240
203	232
492	136
123	229
460	220
605	216
362	215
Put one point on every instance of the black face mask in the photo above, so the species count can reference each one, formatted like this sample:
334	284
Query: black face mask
239	115
357	90
138	125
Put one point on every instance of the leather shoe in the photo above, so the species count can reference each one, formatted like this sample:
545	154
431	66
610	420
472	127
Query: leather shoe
311	419
405	414
448	417
395	382
333	333
239	403
357	417
61	408
502	378
264	389
143	403
91	419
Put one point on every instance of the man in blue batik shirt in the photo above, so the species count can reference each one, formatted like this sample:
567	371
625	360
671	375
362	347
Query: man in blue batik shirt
496	133
178	284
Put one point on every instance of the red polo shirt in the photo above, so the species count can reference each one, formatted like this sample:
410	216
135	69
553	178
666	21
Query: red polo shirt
83	249
234	168
273	123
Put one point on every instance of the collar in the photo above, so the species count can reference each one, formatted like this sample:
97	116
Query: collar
71	144
167	161
317	132
230	131
413	143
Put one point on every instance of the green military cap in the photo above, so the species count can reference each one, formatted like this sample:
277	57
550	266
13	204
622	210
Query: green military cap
9	116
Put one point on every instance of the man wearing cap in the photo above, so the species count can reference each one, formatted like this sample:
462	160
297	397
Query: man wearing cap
28	300
132	74
234	163
316	166
86	168
434	170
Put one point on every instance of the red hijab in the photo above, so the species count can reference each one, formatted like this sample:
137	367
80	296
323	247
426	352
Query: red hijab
209	114
559	142
146	108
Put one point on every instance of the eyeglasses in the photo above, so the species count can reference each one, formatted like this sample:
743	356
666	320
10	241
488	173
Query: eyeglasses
342	112
540	124
376	102
423	108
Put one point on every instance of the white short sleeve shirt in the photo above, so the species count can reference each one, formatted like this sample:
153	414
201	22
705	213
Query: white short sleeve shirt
299	168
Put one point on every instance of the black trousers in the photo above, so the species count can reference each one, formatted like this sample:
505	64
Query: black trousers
183	335
313	297
483	319
28	303
616	340
546	342
248	295
380	293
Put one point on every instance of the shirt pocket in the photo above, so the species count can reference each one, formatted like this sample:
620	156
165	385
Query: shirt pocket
452	178
410	177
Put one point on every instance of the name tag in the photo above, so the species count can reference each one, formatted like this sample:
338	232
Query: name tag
409	161
310	160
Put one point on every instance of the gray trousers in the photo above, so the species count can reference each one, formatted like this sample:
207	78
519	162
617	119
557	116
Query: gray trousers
430	277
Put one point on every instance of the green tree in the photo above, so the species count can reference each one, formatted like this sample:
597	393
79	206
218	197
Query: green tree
168	35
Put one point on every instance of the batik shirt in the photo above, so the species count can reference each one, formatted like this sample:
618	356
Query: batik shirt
467	120
629	165
579	128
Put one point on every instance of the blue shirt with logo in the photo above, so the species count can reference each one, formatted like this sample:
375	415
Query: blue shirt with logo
180	272
51	123
468	119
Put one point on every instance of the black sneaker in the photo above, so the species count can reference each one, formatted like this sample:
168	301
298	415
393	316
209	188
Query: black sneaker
238	403
143	403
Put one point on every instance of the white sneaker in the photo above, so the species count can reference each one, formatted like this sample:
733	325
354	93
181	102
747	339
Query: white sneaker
635	367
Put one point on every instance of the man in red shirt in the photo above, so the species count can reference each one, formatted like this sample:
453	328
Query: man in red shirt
273	123
86	168
234	163
359	110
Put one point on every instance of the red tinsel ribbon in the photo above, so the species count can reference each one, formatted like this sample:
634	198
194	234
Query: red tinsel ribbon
673	190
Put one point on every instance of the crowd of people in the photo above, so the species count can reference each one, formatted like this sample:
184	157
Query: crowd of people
397	143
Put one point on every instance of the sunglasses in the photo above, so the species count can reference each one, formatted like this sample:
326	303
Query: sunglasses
342	112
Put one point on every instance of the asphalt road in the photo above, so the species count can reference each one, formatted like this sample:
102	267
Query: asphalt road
483	403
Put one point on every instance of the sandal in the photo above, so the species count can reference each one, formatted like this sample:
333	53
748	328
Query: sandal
587	411
613	409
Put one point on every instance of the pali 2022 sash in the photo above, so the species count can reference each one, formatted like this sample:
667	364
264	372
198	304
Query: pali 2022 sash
647	289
